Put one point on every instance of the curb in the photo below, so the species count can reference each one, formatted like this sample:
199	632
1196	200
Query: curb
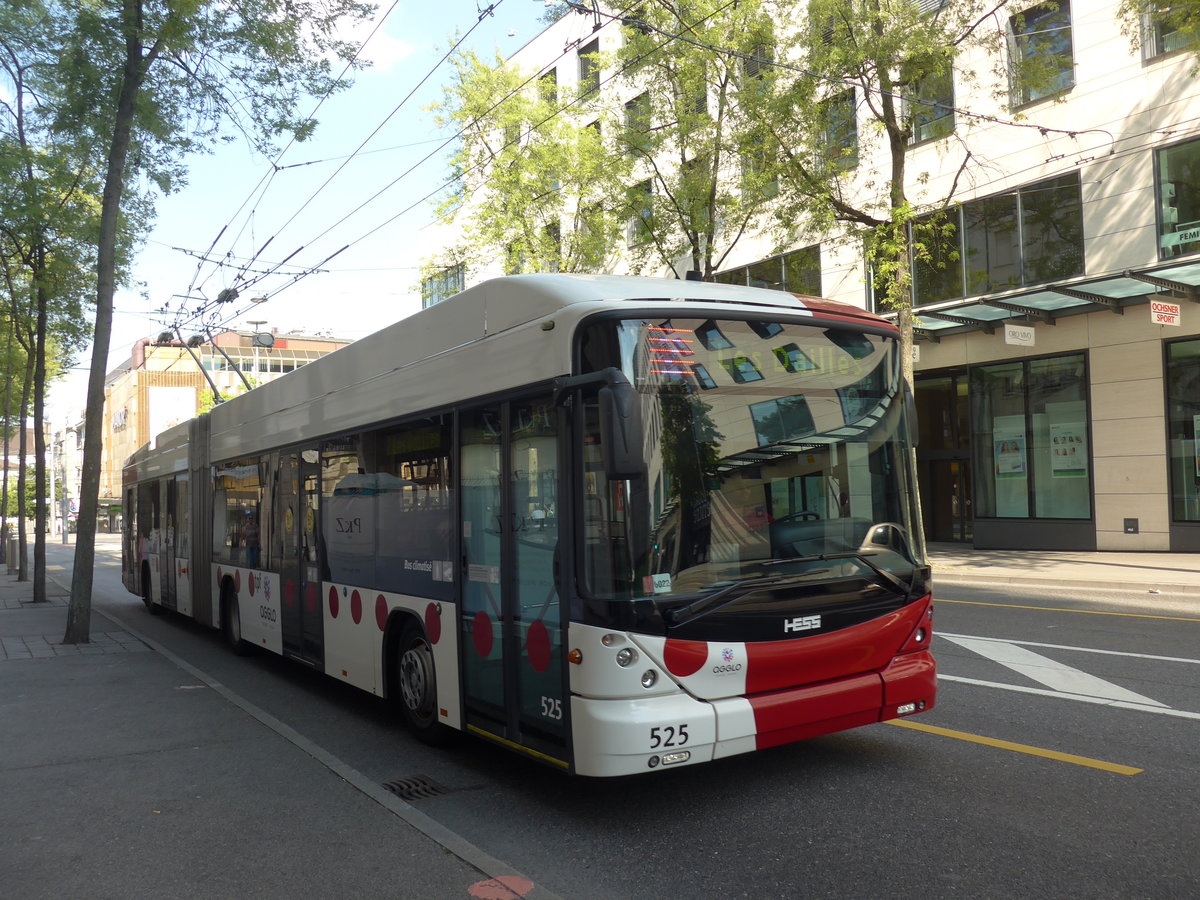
944	576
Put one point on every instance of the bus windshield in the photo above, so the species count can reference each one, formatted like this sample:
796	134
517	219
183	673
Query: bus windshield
776	452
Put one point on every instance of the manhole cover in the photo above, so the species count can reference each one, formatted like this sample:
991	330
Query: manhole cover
415	787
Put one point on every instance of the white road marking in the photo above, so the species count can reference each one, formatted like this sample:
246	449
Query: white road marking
1042	692
1061	678
1178	659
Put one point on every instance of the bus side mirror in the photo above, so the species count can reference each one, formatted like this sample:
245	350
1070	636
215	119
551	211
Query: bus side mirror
620	422
620	430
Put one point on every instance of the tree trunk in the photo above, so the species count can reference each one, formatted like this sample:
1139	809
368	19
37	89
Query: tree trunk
8	382
80	610
41	520
22	477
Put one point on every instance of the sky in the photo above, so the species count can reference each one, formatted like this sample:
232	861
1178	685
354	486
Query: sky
326	194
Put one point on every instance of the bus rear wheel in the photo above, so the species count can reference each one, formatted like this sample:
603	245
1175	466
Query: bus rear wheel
231	625
416	683
153	607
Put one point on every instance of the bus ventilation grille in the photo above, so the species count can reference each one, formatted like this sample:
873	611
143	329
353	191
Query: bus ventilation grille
415	787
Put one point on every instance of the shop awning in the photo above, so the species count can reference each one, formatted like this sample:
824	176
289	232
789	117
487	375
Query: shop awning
1045	304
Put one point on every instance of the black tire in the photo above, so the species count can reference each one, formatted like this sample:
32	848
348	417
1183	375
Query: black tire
416	687
231	625
154	608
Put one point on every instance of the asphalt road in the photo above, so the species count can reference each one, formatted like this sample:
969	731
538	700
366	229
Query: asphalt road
1061	761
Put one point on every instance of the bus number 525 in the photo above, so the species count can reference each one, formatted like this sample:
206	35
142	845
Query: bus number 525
668	736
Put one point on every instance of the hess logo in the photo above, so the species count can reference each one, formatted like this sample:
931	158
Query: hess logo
801	623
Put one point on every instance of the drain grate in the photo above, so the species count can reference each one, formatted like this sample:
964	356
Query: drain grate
416	787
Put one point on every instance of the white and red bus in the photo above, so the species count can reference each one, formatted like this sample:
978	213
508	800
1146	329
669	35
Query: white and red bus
618	524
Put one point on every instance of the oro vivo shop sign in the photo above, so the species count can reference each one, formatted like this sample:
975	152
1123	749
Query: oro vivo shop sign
1164	313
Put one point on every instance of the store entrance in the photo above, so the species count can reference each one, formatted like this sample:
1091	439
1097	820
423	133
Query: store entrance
944	472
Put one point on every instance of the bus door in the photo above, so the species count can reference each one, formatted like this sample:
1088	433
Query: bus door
296	516
512	620
166	544
181	554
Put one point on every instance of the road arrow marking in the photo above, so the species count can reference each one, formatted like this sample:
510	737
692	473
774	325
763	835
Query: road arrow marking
1061	678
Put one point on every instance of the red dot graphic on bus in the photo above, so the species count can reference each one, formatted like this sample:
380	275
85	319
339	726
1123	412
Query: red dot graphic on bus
333	603
250	583
481	633
356	607
537	646
433	623
381	611
237	581
684	658
310	598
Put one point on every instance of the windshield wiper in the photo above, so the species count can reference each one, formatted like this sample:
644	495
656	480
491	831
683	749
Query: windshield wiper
890	578
708	603
727	594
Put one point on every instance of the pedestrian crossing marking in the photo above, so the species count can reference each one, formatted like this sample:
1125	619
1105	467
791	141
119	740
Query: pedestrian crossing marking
1055	675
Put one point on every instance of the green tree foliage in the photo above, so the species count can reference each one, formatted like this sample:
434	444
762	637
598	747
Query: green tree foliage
13	500
48	203
537	184
649	167
1178	21
860	87
690	134
135	86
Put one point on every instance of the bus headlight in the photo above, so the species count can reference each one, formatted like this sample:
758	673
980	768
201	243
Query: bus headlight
649	678
626	657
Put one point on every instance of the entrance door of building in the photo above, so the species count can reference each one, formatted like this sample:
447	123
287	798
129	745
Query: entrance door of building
944	471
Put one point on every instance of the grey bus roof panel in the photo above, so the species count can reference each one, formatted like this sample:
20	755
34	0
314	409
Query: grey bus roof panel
485	339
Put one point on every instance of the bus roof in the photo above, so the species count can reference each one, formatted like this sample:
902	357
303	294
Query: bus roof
533	296
496	336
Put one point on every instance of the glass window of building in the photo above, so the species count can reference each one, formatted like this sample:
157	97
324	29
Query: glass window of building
1043	63
639	229
637	125
937	257
742	369
442	284
1183	428
1179	199
781	420
932	107
1165	29
1021	238
589	67
1030	426
548	87
992	247
840	136
798	271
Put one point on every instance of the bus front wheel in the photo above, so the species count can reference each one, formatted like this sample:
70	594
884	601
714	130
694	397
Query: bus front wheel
416	681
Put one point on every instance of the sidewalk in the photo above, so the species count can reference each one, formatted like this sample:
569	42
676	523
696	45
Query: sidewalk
1166	573
124	773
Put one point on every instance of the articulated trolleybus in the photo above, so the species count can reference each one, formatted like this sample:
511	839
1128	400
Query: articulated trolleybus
617	524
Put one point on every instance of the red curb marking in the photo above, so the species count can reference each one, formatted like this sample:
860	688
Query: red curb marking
505	887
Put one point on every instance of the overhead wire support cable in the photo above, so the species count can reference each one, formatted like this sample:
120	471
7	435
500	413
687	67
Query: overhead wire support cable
265	181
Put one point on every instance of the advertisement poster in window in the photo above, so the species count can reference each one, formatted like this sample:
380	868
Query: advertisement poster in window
1068	450
1008	437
